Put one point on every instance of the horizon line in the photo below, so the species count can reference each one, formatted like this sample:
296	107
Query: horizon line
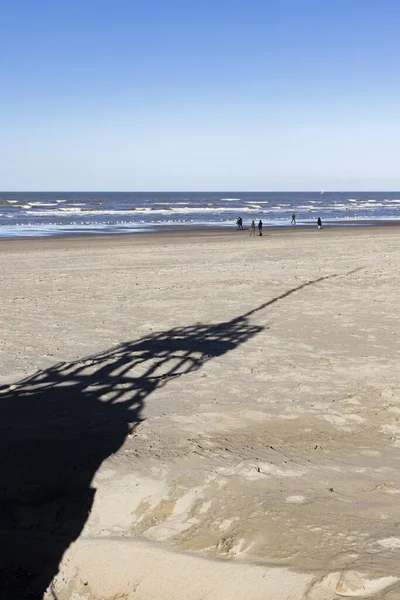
316	191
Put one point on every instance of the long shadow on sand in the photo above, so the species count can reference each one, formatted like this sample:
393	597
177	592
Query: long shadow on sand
58	426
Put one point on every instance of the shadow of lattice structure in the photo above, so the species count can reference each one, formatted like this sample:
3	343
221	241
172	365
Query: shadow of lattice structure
58	426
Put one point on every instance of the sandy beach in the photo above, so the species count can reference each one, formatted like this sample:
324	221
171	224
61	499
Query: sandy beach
201	415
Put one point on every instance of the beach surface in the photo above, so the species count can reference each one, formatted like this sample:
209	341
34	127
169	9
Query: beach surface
202	415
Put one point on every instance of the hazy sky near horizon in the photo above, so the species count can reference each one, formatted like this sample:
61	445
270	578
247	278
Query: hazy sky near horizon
179	95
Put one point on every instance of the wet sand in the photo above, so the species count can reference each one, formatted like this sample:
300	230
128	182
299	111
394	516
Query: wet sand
202	409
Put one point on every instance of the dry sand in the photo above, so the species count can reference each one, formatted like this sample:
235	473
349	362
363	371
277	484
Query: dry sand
211	416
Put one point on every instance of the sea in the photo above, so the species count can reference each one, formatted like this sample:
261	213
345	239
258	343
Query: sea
71	213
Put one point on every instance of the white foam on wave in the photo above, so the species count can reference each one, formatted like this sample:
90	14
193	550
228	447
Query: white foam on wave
42	203
337	206
72	208
368	205
184	210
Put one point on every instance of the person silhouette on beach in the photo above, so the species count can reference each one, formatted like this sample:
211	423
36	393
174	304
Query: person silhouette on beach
253	228
239	223
293	221
319	223
260	226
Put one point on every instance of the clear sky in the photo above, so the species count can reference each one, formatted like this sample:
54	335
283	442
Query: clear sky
207	95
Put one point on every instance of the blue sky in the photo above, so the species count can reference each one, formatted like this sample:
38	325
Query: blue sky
256	95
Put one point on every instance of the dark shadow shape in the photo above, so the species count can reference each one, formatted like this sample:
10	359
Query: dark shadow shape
58	426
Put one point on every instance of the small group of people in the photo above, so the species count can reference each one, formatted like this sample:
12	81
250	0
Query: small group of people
253	227
239	223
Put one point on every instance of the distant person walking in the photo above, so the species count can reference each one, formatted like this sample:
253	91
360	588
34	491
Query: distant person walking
253	228
239	223
260	225
319	223
293	221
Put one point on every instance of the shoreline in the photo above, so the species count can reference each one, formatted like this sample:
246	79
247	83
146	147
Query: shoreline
213	232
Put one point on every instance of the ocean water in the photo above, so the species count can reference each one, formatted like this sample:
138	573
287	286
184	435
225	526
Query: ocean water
60	213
